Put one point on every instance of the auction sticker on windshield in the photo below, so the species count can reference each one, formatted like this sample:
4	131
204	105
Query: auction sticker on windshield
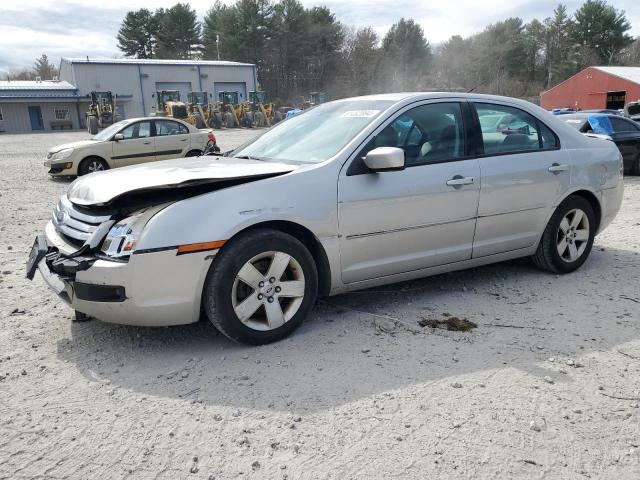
360	113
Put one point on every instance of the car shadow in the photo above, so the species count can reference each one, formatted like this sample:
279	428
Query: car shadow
364	343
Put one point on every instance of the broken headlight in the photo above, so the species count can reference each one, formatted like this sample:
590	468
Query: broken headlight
122	238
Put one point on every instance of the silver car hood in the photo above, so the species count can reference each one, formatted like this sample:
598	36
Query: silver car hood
101	188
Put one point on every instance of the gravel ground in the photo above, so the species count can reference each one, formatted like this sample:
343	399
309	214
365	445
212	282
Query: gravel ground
547	385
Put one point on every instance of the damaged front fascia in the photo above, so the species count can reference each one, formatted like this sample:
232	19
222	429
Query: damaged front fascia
129	202
125	204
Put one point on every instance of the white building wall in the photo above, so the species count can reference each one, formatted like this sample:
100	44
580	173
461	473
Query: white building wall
136	83
16	115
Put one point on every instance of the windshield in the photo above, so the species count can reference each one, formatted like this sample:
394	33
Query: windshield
108	132
315	135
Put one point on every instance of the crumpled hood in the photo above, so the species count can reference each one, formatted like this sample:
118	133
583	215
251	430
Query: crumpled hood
78	144
101	188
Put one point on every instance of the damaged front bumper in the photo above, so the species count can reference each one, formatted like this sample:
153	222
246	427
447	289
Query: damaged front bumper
157	288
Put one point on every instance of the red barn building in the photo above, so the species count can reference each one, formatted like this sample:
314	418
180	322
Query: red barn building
595	87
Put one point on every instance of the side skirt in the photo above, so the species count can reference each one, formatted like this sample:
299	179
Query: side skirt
428	272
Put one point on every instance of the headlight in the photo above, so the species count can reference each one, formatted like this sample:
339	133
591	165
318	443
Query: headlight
121	240
62	154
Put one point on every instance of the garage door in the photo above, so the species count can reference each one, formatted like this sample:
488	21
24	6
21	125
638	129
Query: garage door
183	87
239	87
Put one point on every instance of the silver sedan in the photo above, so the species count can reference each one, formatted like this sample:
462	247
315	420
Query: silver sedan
348	195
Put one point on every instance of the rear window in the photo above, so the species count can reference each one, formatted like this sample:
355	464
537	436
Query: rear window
508	129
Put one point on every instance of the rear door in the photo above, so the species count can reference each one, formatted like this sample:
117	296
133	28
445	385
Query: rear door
172	139
137	146
523	173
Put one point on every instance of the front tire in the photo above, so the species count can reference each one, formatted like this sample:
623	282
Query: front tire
568	237
260	287
90	165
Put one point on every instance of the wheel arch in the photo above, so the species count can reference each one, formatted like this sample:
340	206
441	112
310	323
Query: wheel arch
309	240
195	151
589	196
593	201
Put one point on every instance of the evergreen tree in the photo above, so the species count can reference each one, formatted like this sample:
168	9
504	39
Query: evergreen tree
44	69
178	32
407	55
601	30
137	34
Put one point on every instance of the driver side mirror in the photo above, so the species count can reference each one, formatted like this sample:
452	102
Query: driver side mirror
118	136
385	159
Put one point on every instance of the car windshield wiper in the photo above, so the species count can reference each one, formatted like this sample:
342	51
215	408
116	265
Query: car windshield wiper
249	157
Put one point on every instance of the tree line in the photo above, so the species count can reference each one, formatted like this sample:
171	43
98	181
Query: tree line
298	50
42	68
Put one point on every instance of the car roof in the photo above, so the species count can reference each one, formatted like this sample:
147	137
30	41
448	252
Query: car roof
136	119
405	98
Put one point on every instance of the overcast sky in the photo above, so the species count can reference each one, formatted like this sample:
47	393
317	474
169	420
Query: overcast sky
60	28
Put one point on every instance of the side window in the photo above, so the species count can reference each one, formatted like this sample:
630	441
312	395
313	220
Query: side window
430	133
622	125
137	130
167	127
549	140
511	130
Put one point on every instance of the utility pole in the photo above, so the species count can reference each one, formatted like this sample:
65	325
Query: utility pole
218	45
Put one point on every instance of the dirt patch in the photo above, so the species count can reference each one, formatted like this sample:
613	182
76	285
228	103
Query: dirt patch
451	323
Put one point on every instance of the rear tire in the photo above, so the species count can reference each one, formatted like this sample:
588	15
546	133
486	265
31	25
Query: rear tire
193	153
216	120
635	168
199	122
247	120
278	299
228	120
92	124
92	164
568	237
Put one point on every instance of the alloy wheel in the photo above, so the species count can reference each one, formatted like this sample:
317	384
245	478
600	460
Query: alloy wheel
268	290
95	166
573	235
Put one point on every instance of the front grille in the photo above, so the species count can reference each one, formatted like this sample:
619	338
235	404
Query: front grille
74	225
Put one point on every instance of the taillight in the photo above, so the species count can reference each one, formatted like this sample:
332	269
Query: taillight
212	137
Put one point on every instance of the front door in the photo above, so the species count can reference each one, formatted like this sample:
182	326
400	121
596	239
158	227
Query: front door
172	139
420	217
137	146
523	174
35	117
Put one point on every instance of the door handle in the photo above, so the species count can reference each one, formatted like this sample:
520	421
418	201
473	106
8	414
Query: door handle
146	143
459	180
557	168
183	140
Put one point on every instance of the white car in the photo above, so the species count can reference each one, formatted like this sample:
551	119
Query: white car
129	142
348	195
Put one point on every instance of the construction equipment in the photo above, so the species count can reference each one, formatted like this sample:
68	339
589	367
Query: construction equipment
169	105
263	114
232	111
314	98
102	111
202	112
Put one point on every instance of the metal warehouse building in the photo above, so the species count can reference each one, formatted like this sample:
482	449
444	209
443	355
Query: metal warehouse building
595	87
135	81
47	105
27	106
